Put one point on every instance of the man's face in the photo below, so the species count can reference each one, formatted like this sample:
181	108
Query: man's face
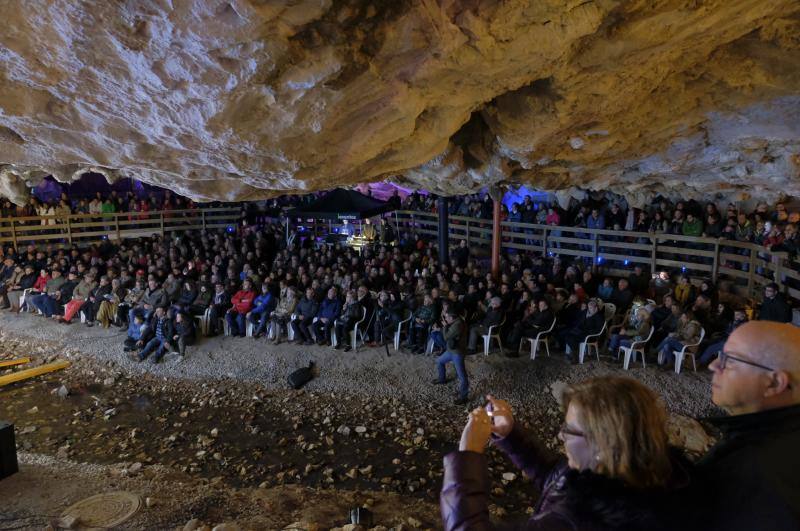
739	384
151	284
769	293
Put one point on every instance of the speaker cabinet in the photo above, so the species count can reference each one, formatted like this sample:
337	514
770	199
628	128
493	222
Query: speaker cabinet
8	450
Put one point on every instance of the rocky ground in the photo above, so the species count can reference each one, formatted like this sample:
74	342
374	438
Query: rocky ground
215	435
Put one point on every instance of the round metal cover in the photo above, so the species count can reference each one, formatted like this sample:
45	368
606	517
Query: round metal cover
104	510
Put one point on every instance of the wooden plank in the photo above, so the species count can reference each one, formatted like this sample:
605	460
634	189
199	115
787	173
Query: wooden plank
31	373
12	363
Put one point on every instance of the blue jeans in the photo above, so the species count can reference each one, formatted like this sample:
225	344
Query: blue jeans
617	341
260	320
709	353
236	323
438	339
45	304
461	370
154	345
667	346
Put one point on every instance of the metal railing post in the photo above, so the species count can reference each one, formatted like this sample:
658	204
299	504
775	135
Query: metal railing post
467	233
161	219
203	216
116	224
751	272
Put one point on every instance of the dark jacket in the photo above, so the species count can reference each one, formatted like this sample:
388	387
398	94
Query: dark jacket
775	310
493	317
330	308
454	334
749	480
306	308
570	500
591	324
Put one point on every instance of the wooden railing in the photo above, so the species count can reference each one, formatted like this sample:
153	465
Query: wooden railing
93	228
748	266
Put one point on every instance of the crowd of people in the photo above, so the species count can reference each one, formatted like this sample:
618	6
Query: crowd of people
775	227
252	282
619	472
99	204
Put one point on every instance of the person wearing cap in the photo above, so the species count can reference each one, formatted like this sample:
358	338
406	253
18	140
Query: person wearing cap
749	479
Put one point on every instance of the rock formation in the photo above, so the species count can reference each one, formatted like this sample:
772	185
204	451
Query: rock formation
246	99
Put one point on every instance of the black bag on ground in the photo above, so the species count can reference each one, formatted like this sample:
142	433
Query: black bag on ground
301	376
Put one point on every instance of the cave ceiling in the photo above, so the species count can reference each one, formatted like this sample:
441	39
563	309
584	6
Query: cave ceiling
243	100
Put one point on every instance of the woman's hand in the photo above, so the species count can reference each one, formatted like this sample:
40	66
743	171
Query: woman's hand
476	433
503	418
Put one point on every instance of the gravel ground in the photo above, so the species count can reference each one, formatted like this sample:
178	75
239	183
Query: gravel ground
275	438
59	483
368	373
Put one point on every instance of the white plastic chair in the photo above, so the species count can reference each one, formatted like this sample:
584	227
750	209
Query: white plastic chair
399	330
272	329
541	337
591	341
487	338
23	296
352	333
636	346
687	350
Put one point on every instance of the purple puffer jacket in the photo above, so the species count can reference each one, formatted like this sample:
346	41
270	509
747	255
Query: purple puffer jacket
570	500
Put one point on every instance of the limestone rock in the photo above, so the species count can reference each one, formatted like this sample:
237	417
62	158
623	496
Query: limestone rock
248	99
687	433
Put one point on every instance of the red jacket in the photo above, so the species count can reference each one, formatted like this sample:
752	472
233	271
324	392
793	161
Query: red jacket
242	301
41	282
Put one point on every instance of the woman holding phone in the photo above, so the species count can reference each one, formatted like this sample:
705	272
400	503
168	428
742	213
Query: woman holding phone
618	471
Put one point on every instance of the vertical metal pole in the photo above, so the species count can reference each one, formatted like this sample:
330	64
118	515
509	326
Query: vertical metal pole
14	234
715	268
496	238
466	235
203	217
751	272
161	220
444	233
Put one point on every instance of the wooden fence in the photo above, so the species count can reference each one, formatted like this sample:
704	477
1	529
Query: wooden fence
748	266
82	229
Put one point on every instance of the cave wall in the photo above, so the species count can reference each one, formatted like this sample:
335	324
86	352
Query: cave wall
247	99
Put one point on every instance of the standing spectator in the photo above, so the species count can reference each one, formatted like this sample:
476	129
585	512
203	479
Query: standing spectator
453	337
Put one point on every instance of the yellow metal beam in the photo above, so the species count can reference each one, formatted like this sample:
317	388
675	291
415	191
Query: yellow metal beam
30	373
11	363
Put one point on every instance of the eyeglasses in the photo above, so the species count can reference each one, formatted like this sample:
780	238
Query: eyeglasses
566	430
725	356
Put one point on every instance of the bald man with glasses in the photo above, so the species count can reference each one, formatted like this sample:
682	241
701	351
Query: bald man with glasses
750	479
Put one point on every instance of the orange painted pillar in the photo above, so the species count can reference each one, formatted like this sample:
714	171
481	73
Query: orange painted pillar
496	239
